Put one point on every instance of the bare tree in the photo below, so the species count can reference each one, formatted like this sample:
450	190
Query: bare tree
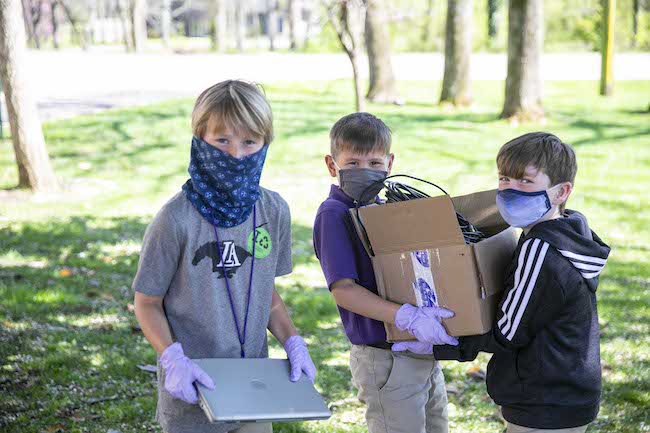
55	24
271	22
523	96
138	17
636	8
123	9
607	50
382	86
492	7
458	49
240	25
346	18
166	22
34	168
218	26
292	17
427	28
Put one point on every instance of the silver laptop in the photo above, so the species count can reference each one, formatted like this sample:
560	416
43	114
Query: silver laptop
258	390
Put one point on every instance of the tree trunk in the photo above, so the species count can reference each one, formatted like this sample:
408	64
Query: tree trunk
218	25
166	23
292	16
89	28
346	18
607	53
458	49
492	6
240	29
34	169
636	7
271	22
359	101
523	95
55	24
36	17
123	10
428	23
139	24
382	86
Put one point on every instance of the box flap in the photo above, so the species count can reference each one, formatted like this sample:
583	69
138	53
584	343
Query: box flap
481	210
493	255
411	225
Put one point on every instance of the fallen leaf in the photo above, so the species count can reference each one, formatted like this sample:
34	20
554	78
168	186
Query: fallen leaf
148	367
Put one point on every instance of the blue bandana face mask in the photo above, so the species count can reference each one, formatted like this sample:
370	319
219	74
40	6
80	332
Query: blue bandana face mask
223	188
522	209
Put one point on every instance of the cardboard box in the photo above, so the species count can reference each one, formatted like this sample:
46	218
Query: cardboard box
420	257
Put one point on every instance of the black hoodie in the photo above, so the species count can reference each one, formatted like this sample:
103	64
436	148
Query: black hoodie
545	371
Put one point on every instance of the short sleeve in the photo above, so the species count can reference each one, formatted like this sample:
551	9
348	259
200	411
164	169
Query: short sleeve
284	264
334	247
159	256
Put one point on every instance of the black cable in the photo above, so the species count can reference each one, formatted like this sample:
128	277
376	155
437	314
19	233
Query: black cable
397	192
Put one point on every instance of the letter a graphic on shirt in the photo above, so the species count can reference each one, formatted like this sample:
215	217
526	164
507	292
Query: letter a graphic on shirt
229	255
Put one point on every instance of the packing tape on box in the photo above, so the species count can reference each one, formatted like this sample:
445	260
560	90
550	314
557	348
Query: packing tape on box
424	287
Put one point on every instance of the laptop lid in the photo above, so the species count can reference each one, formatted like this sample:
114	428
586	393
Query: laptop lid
258	390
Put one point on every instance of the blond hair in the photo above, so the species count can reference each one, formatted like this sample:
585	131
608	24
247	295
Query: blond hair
234	104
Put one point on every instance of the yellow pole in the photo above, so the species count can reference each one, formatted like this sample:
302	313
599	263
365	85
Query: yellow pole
607	55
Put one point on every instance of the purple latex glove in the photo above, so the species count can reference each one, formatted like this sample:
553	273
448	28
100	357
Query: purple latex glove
414	347
180	374
299	358
424	323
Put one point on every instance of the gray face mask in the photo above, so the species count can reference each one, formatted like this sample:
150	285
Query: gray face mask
355	182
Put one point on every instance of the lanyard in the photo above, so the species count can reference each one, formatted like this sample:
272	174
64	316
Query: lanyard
240	335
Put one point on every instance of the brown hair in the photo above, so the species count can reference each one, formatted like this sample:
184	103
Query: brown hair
544	151
359	133
236	104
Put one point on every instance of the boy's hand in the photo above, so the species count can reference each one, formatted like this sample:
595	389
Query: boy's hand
414	347
299	358
424	323
180	374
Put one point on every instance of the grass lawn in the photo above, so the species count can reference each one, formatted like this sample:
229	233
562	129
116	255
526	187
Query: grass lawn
69	348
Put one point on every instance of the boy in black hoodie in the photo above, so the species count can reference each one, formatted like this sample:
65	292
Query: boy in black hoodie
545	368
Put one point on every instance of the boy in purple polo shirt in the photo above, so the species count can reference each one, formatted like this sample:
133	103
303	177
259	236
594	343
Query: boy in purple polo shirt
402	385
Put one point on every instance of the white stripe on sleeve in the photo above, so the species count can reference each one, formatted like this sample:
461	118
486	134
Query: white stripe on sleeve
588	259
520	267
509	314
529	291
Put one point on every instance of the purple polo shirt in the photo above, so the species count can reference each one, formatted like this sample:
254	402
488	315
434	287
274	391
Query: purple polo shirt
342	255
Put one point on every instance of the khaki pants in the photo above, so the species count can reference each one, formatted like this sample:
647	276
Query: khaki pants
403	393
513	428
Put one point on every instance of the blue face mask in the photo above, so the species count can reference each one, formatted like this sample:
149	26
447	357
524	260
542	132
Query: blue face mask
223	188
522	209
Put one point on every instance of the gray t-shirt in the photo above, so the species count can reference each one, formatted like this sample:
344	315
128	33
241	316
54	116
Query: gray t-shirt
180	262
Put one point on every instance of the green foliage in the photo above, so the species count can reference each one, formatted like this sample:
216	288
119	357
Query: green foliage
69	349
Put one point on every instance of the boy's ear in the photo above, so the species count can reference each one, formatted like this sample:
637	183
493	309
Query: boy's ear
329	161
562	194
391	159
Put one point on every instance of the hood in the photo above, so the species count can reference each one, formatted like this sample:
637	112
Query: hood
572	237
